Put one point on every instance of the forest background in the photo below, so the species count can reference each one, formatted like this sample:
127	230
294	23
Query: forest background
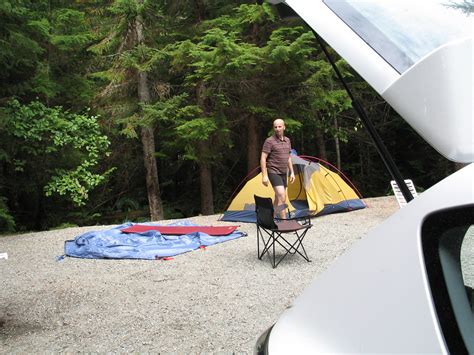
151	109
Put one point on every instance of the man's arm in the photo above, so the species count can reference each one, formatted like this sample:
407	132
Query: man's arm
292	173
263	167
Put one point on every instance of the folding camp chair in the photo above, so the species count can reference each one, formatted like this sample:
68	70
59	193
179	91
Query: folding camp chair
270	231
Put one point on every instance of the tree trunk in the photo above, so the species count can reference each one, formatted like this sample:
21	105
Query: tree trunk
152	184
252	143
301	145
361	162
205	178
39	210
148	139
338	148
200	10
203	148
321	145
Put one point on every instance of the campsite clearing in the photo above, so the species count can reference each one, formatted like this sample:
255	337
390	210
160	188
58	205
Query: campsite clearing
216	299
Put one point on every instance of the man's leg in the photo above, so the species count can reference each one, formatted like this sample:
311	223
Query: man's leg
280	198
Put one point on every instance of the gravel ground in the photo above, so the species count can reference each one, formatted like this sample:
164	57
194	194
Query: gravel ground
215	300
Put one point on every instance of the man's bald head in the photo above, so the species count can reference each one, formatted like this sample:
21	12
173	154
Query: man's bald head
279	127
278	121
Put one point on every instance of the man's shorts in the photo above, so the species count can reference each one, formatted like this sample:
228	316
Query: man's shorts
278	179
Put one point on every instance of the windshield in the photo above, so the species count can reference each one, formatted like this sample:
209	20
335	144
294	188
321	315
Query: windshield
402	31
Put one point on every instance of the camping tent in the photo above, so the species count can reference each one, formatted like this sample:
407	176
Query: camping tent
317	190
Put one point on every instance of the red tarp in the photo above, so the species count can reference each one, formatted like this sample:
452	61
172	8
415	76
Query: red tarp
180	230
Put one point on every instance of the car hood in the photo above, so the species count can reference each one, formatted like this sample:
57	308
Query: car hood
417	56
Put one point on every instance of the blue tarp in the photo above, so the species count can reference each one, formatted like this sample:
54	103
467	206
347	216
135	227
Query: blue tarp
113	244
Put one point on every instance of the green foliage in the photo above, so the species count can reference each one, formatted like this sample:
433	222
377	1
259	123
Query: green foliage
292	126
53	137
141	58
70	30
40	26
64	226
216	54
21	33
43	52
7	223
42	83
198	129
171	213
293	44
126	8
127	204
250	14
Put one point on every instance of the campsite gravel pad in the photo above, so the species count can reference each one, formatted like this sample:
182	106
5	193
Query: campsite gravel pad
218	299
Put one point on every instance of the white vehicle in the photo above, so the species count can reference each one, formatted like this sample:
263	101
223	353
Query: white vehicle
407	286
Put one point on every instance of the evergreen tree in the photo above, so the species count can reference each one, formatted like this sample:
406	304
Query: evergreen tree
125	41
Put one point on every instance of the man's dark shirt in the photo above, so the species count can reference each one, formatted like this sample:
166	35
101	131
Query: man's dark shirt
278	154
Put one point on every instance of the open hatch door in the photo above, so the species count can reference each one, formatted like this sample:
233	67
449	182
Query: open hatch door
417	55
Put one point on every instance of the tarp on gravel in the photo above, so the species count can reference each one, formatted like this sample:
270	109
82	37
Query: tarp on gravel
114	244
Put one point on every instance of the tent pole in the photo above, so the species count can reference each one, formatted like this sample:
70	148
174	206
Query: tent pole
379	145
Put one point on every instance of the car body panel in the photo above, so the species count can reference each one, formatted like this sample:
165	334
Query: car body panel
375	298
436	102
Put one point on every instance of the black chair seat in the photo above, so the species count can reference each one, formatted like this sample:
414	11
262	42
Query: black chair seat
271	232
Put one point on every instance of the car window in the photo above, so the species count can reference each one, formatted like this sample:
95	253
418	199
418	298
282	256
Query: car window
401	31
447	241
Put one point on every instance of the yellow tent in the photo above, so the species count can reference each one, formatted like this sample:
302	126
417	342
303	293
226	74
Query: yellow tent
317	190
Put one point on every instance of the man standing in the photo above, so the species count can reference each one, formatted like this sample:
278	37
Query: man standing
275	161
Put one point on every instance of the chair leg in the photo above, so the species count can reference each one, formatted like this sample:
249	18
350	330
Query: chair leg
260	236
299	241
276	237
268	247
273	244
266	243
258	242
284	255
292	249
